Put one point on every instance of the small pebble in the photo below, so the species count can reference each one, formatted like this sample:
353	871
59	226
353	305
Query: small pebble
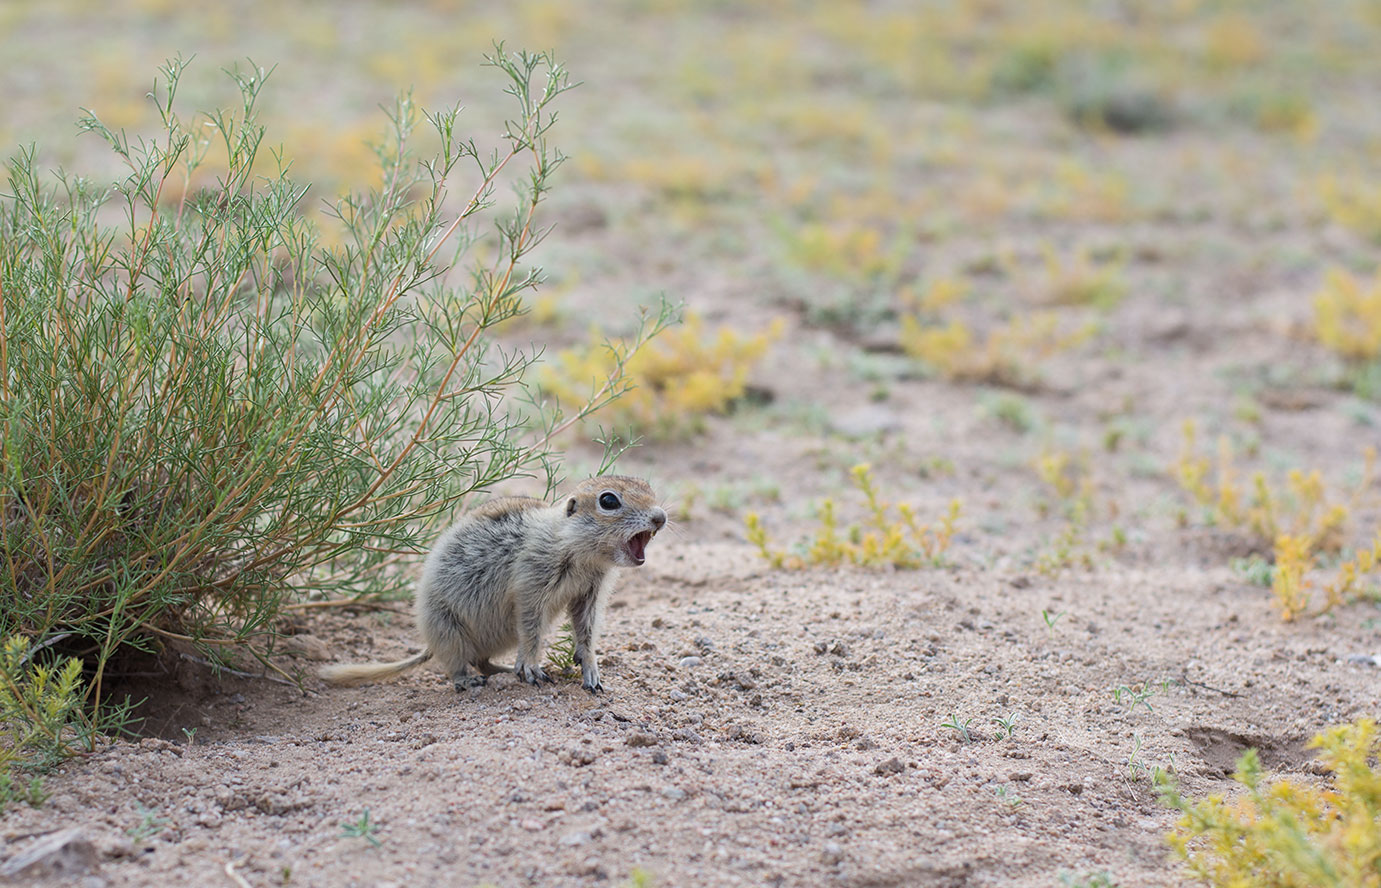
689	662
891	766
575	839
577	758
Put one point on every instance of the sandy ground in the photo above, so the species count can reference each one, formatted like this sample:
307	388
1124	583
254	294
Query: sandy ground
777	727
758	728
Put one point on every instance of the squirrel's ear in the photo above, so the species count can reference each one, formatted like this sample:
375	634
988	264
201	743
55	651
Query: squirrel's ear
570	507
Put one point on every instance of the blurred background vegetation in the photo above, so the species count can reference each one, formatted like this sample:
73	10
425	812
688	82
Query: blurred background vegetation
988	193
968	191
813	139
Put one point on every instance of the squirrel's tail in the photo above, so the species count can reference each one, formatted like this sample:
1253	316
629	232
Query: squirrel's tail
351	674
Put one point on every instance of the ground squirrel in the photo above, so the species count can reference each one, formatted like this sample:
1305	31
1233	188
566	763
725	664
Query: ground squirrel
501	574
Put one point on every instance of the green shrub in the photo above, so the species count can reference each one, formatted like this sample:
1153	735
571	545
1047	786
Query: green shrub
1290	833
42	719
207	410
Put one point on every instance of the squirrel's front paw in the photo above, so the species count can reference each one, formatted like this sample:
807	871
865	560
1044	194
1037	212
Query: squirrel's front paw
531	674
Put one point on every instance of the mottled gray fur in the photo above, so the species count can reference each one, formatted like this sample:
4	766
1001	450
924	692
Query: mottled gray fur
501	575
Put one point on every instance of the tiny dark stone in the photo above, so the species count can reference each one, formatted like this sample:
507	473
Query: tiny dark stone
893	765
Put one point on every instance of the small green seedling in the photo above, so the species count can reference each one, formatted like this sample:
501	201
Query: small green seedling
362	829
1136	768
33	794
959	727
1138	695
1051	618
1134	765
151	823
1255	570
1006	727
1087	880
561	652
1008	795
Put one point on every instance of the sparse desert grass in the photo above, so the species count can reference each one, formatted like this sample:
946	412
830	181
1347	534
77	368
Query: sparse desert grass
1012	409
1354	203
684	180
1066	549
1008	354
1293	587
1300	506
1076	192
1347	316
1065	474
1295	520
878	540
688	374
849	252
1275	108
1067	477
936	295
1077	279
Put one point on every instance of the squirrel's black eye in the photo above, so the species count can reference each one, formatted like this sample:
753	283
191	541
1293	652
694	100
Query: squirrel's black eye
609	501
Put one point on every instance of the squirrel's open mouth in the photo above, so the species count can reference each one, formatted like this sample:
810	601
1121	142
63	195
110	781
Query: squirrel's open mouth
636	547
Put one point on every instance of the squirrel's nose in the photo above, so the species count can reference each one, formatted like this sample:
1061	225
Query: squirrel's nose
659	517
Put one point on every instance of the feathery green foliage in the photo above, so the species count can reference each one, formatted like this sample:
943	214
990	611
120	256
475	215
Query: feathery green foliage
207	409
42	719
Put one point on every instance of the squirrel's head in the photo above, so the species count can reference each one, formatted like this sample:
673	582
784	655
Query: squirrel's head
623	513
